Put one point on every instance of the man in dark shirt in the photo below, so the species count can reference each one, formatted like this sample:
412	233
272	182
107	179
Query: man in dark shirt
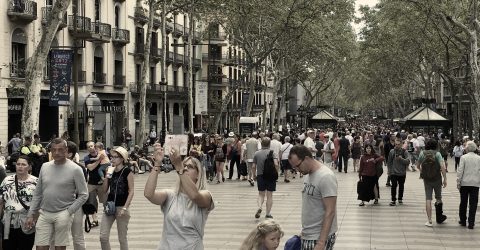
93	177
343	153
389	145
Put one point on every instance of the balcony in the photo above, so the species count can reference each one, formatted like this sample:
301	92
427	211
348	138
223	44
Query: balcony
99	79
101	32
197	63
120	37
119	81
22	11
177	30
119	1
46	14
157	21
17	70
217	36
82	76
173	92
170	57
186	31
197	37
155	54
178	59
169	27
139	52
141	15
80	27
219	58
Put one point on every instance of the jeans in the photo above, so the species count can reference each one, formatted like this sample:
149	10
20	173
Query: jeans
469	195
400	181
235	160
344	158
122	228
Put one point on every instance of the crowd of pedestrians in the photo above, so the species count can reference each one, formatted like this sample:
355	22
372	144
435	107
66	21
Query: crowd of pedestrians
45	210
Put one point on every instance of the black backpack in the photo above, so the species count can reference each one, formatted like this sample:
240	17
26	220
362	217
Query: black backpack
430	168
89	208
269	171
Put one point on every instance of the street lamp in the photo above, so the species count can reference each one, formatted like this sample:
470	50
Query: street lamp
163	87
301	112
271	122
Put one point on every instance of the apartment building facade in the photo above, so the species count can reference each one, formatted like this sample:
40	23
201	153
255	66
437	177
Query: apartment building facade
110	40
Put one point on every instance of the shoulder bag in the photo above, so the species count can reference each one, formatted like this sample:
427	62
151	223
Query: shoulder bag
109	206
23	216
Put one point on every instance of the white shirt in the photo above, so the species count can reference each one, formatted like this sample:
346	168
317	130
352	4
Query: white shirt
421	141
285	150
309	143
275	146
350	139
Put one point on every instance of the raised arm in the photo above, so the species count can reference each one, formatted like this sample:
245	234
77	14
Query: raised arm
160	196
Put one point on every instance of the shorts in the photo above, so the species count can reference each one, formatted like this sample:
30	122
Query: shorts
310	244
431	186
263	184
286	164
57	225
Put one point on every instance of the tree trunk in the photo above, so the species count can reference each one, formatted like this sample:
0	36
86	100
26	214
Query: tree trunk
475	79
142	85
251	86
34	69
190	68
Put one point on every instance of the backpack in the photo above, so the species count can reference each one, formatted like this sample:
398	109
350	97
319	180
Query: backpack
219	153
410	147
430	168
269	171
443	148
89	207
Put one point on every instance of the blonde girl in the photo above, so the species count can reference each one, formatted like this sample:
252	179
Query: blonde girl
265	236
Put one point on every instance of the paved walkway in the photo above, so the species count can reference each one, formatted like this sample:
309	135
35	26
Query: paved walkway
370	227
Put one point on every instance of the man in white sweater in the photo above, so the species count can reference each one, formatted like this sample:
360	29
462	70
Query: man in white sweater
61	190
468	182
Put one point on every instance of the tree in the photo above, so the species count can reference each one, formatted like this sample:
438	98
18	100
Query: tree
34	69
262	27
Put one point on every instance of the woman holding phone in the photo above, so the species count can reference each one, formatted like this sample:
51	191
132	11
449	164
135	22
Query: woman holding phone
186	206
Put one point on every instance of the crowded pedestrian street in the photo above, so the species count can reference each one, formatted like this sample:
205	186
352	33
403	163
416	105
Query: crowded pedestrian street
371	227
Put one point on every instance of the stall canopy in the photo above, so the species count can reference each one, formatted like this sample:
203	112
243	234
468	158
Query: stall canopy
323	120
427	119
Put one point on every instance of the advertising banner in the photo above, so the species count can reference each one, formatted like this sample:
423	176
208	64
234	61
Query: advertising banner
245	96
201	98
61	62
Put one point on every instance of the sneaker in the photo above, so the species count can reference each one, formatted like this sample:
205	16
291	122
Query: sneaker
428	224
393	203
141	172
470	226
257	214
251	182
268	216
463	224
375	202
400	202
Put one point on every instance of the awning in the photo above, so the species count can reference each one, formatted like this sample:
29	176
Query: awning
246	119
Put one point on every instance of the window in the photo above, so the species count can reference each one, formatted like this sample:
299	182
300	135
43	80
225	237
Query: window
19	53
97	10
152	75
98	76
175	78
117	16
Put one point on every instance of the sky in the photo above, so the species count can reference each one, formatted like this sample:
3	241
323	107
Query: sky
357	5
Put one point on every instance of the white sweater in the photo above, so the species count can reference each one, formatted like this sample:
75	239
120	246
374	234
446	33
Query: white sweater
468	173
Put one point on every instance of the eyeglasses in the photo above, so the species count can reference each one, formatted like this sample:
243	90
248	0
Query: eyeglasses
298	165
189	166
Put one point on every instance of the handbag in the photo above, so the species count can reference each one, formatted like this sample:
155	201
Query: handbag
379	168
23	217
294	243
109	207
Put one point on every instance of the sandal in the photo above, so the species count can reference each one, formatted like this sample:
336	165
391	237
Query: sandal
375	202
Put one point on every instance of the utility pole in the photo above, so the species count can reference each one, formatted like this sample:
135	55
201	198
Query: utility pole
189	68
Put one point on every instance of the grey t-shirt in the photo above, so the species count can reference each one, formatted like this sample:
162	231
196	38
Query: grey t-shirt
183	226
57	186
316	186
260	157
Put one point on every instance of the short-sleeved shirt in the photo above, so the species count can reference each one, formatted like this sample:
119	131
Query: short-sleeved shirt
438	159
122	189
317	186
260	157
183	224
8	194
